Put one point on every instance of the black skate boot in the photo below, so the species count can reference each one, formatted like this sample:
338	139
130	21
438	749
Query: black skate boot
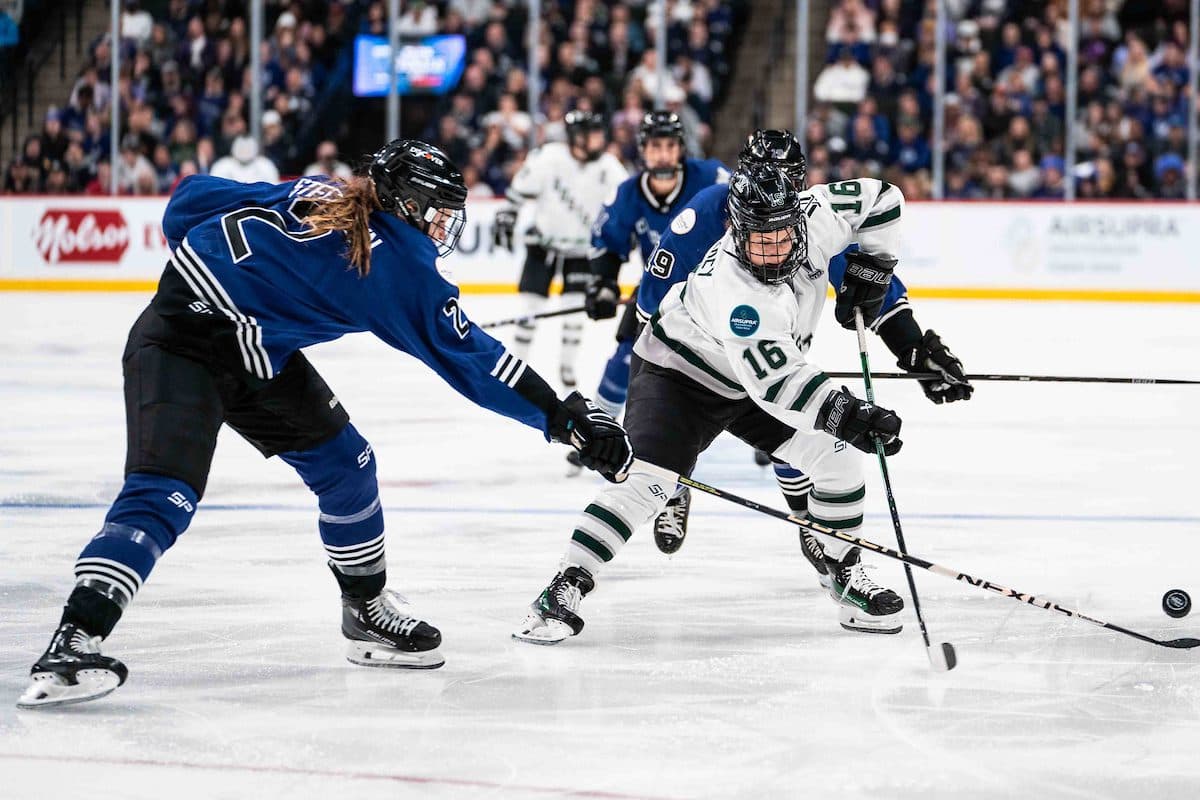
670	527
553	617
762	458
865	605
574	464
382	634
72	671
816	556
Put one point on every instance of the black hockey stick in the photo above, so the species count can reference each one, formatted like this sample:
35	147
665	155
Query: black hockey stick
916	561
544	315
926	376
532	317
942	656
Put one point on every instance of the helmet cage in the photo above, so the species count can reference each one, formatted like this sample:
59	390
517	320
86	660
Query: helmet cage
420	184
762	201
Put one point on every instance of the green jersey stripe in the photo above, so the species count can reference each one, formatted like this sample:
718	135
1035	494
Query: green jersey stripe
837	524
881	218
848	497
610	519
688	355
773	392
809	390
601	552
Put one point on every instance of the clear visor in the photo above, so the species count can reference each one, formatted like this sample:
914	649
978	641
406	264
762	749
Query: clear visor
445	227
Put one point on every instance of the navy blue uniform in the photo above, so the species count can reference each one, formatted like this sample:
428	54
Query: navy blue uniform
247	286
634	216
707	218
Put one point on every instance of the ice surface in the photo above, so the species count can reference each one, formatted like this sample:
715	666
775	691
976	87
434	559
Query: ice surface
718	673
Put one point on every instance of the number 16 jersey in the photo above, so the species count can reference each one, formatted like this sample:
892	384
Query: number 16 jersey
739	337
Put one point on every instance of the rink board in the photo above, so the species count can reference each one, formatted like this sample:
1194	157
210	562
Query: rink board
1015	250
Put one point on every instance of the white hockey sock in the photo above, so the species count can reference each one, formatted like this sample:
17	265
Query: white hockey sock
838	508
522	339
612	517
572	338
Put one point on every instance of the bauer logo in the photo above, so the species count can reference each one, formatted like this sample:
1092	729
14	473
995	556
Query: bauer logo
67	236
743	321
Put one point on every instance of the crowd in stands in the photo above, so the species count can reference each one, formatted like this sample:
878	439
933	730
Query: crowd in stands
184	91
1006	104
184	86
182	97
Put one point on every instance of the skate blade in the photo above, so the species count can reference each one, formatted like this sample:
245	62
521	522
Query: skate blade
372	654
853	619
541	631
49	690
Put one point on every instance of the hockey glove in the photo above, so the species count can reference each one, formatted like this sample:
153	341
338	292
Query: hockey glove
503	225
601	442
930	355
864	285
601	298
857	422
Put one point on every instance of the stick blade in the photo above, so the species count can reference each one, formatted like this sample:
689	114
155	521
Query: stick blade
942	656
1182	644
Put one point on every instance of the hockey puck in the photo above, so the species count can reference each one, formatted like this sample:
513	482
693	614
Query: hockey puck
1177	603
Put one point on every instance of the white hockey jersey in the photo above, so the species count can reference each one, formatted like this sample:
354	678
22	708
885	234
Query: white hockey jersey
567	194
737	336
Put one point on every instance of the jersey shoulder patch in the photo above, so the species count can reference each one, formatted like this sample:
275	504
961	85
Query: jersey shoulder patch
684	221
744	320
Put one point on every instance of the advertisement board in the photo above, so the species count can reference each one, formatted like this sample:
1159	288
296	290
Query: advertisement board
430	65
1086	251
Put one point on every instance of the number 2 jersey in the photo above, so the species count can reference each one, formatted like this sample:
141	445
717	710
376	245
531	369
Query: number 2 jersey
739	337
248	275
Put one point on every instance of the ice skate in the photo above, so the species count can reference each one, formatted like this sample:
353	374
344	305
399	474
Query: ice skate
574	464
762	458
72	671
816	556
553	617
670	527
864	605
382	633
567	376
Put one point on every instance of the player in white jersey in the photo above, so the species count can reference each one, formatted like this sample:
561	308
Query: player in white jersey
567	184
726	351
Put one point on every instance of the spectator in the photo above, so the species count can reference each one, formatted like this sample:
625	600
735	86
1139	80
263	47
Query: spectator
136	23
244	164
1168	170
843	82
132	166
327	162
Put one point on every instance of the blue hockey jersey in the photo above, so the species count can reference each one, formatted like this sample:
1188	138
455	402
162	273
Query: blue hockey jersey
247	257
697	227
635	214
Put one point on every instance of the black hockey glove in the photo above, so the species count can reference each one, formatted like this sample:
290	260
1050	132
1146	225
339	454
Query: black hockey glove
857	422
601	298
930	355
864	285
503	225
601	442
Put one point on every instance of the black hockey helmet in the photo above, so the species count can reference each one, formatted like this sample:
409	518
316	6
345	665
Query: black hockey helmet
420	184
779	147
662	125
579	124
763	200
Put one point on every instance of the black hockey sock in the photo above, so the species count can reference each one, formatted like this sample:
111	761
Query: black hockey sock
91	611
360	587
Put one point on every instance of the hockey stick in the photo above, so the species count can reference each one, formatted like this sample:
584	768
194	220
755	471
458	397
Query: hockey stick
925	376
916	561
532	317
544	315
942	657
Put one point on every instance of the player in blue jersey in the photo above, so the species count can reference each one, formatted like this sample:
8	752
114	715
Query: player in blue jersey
258	272
640	211
694	231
